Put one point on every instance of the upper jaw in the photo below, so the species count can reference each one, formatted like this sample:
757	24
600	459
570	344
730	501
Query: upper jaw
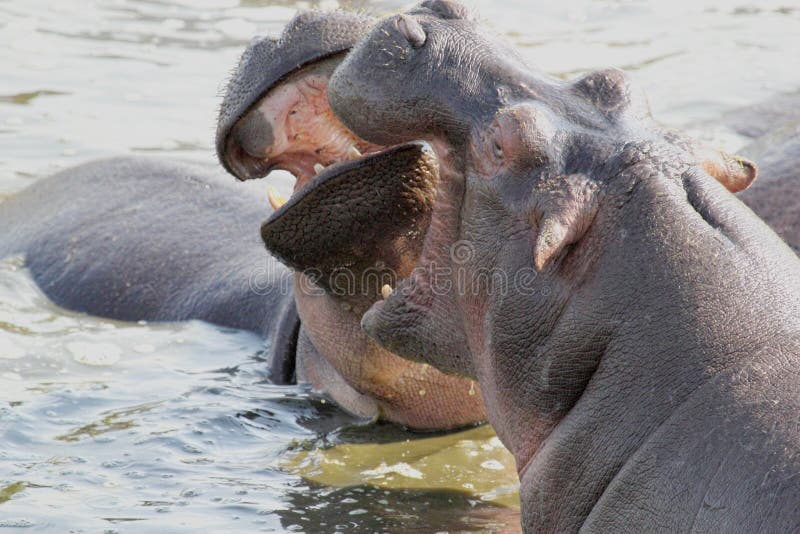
309	38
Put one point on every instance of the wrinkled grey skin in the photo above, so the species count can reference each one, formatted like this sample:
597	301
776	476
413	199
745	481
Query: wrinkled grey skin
645	371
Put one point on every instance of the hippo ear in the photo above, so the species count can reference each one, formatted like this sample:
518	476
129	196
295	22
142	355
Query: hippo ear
563	210
411	30
734	172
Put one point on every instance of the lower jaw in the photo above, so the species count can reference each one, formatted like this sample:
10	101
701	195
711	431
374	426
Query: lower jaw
392	387
369	381
314	369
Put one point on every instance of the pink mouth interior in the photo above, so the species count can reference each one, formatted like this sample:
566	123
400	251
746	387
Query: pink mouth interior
305	132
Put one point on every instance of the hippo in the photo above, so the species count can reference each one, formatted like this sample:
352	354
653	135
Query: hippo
136	238
634	327
141	275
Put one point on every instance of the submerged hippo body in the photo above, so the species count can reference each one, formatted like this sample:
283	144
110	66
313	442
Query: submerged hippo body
145	239
148	239
776	196
634	327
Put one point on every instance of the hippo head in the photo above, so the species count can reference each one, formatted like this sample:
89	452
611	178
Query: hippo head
353	225
532	170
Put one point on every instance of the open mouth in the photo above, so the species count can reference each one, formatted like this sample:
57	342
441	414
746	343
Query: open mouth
293	128
355	205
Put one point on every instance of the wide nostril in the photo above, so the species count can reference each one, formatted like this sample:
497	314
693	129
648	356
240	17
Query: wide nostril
411	30
232	158
240	163
253	133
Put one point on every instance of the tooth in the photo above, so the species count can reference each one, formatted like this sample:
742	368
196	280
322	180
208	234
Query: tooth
353	153
386	291
276	200
318	168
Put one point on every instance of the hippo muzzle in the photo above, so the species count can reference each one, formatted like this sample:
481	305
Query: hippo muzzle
296	66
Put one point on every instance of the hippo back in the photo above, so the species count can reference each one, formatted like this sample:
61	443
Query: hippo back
137	238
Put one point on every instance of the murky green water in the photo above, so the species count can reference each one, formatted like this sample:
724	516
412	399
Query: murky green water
119	427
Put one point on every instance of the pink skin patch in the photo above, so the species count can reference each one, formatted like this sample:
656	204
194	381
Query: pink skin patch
305	130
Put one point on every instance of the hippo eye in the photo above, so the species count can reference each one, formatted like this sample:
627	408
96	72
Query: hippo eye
497	150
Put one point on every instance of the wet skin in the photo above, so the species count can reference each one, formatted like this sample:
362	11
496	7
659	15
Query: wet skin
354	218
644	370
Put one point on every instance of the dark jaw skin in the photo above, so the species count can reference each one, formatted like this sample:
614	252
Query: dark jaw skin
645	373
355	200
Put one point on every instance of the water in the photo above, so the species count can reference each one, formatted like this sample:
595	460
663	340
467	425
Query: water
120	427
